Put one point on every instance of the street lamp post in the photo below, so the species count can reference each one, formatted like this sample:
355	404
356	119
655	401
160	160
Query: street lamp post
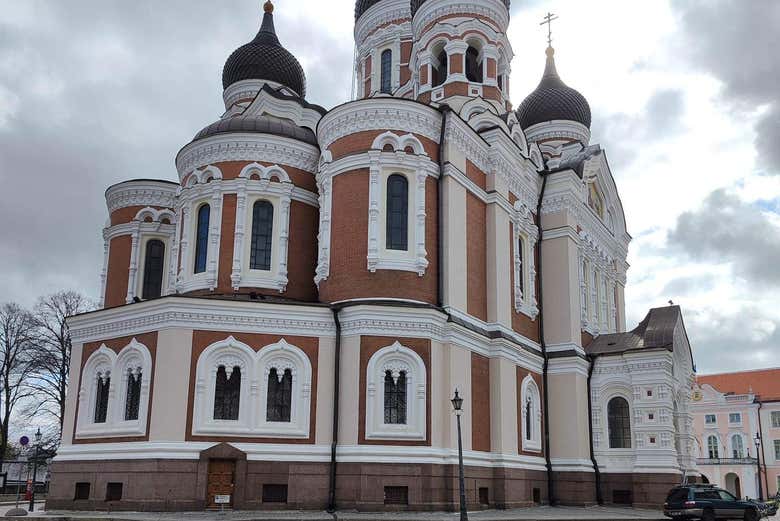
457	404
35	468
757	441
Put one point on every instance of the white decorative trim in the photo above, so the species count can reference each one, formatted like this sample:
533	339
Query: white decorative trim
190	201
396	358
265	103
238	146
141	193
530	397
523	226
104	363
255	367
381	14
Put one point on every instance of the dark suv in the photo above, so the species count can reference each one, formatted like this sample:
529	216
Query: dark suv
708	503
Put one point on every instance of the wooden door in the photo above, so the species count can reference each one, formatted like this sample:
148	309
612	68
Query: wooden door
221	482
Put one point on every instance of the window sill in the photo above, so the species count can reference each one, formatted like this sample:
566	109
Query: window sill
262	279
108	431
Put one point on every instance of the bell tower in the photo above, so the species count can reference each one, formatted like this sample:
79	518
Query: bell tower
461	51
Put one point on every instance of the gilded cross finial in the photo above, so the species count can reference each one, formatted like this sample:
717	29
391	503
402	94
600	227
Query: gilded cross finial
548	19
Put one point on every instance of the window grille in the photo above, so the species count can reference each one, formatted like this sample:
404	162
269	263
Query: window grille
387	72
274	493
154	267
262	235
484	496
619	423
395	398
397	226
113	491
133	398
82	491
279	396
396	495
202	238
227	394
101	398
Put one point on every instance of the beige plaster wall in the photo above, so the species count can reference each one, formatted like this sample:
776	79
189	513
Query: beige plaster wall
568	403
74	382
560	289
457	364
454	243
349	390
498	267
503	406
323	432
171	385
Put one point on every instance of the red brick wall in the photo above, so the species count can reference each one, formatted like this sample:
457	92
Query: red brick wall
118	270
476	260
361	142
127	214
349	276
480	402
370	345
202	339
227	236
476	175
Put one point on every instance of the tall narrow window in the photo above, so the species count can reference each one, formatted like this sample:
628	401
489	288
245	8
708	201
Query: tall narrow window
279	396
619	423
154	266
101	397
712	446
440	71
737	447
473	66
202	238
395	398
262	235
133	395
521	259
397	213
529	414
227	394
387	72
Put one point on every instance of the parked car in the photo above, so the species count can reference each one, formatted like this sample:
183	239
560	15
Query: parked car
708	503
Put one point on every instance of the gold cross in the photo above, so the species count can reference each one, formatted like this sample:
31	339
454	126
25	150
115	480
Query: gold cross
548	20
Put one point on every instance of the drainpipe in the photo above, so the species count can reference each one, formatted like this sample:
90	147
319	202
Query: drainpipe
599	496
543	344
335	432
762	451
445	110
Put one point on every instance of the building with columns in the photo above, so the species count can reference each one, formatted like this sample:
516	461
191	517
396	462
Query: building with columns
286	323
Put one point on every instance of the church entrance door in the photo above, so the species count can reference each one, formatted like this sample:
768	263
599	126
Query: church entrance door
221	482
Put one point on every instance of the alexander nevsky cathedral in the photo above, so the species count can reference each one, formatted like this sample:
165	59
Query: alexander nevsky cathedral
285	326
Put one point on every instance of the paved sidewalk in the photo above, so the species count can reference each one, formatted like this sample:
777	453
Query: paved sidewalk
524	514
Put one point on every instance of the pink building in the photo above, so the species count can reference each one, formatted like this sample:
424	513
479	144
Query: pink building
731	412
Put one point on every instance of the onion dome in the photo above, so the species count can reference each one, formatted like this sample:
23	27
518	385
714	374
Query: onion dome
361	6
553	100
264	58
417	3
258	124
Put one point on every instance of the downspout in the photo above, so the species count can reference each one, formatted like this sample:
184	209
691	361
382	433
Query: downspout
599	496
762	451
445	110
543	345
335	432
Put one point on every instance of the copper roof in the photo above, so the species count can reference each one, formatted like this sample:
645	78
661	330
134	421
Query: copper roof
656	331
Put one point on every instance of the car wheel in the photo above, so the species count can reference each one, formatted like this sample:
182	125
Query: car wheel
751	515
708	515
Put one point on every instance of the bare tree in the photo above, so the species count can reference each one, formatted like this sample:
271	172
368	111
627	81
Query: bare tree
51	360
17	334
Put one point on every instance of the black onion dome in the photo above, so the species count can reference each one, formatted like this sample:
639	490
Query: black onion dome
264	58
417	3
258	124
361	6
553	100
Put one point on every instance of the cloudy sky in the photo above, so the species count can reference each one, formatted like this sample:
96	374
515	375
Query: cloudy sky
685	98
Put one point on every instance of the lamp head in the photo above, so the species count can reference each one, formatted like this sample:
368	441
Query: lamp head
38	435
457	402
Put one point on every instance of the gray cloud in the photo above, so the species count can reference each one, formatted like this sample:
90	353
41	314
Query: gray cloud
683	286
727	229
737	42
96	92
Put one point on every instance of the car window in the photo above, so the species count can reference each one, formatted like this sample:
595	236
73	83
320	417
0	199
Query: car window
707	494
726	496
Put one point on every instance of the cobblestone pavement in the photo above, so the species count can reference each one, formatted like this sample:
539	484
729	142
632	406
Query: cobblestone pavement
525	514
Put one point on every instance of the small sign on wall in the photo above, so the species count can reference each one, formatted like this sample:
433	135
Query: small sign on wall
222	499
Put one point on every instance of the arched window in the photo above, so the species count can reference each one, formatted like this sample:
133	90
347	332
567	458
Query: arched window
395	398
154	266
473	66
133	394
439	70
279	399
712	446
619	423
529	414
521	260
101	397
397	225
227	393
262	235
202	238
386	77
737	447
